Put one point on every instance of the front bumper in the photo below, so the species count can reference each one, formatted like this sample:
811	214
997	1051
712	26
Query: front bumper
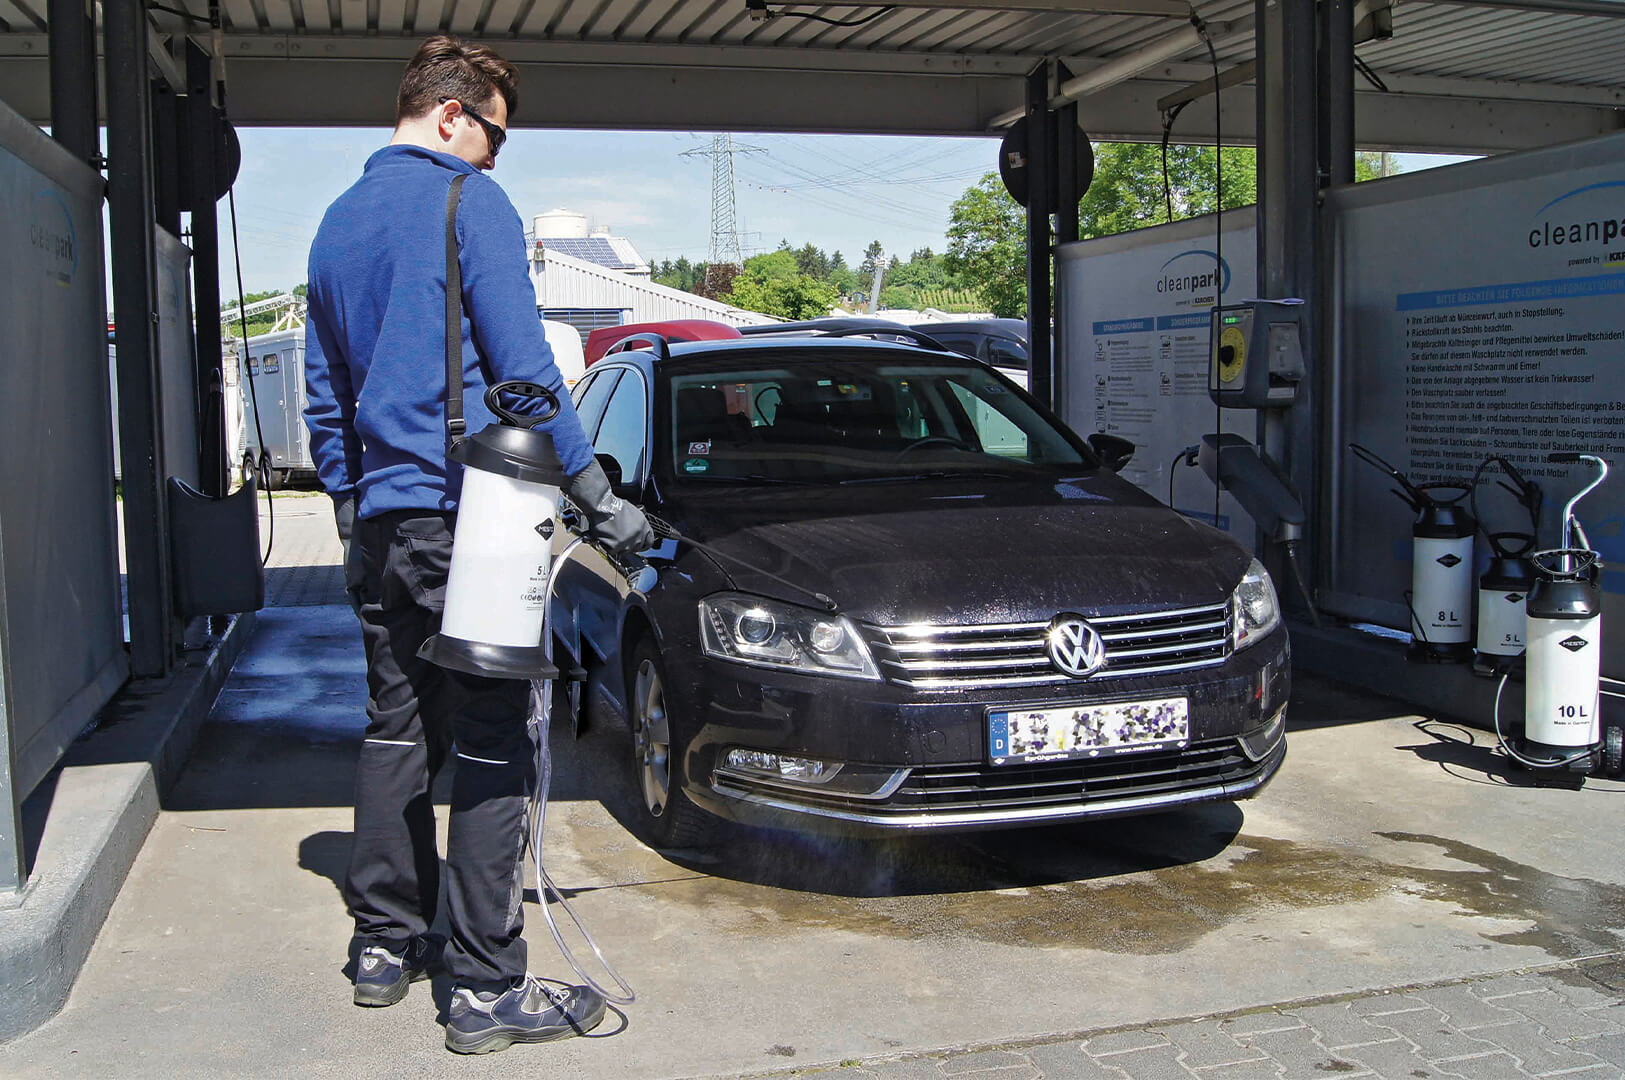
935	746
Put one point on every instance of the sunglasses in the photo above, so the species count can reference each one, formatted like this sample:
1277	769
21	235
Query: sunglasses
494	136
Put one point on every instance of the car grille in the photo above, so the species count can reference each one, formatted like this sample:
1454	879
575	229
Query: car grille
971	787
930	657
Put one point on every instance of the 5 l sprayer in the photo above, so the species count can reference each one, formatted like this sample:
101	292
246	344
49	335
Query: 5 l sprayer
1441	594
1563	728
1504	586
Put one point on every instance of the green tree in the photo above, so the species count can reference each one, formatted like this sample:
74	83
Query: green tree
1127	192
774	284
987	246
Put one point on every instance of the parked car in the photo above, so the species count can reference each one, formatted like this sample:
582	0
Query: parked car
1000	342
605	338
921	602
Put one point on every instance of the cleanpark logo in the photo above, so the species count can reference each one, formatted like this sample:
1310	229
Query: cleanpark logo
51	237
1191	275
1587	225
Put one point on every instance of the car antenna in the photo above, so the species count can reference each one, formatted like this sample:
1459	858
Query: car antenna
666	529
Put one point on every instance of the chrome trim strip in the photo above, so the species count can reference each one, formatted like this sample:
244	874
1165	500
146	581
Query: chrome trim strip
885	791
1183	628
913	648
1206	609
1104	673
1023	816
918	630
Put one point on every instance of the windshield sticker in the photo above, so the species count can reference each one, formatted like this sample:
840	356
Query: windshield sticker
697	464
992	388
700	447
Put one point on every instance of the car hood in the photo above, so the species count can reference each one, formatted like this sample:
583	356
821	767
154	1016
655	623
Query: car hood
963	551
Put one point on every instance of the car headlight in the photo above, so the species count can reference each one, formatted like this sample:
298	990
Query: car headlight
771	633
1254	610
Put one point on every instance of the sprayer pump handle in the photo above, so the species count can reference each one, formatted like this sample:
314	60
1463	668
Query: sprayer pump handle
520	388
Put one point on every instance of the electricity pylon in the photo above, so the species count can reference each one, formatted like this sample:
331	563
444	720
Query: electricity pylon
724	219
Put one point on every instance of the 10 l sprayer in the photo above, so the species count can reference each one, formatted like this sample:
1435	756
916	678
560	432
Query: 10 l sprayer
1563	727
1441	594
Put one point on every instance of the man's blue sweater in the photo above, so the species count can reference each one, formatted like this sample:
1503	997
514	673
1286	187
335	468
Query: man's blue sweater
375	333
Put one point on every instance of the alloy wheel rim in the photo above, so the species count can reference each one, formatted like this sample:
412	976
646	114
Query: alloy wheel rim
651	740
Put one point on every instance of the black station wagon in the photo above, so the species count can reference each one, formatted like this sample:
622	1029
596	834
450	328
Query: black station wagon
914	600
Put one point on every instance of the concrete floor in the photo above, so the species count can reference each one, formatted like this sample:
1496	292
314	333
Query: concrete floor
1390	851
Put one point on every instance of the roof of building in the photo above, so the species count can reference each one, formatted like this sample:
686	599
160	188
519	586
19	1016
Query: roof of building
602	250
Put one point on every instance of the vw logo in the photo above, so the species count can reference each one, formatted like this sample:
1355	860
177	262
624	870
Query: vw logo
1074	646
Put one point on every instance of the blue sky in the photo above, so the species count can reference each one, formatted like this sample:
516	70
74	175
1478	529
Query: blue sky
839	192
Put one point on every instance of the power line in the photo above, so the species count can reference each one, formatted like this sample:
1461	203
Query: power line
724	208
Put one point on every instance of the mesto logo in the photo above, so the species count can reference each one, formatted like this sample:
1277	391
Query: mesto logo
51	234
1572	224
1197	273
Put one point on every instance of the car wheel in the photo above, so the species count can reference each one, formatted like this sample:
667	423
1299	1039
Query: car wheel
248	470
275	479
668	817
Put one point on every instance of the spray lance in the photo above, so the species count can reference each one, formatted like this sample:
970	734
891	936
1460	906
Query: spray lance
1504	587
1441	593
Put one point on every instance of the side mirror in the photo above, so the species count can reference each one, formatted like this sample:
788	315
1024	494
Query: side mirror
1114	451
617	483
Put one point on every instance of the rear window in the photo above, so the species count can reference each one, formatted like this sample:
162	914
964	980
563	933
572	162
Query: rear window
833	421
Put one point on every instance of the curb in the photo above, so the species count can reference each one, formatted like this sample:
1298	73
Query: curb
97	808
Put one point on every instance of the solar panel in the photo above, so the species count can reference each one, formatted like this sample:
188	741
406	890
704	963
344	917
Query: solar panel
592	248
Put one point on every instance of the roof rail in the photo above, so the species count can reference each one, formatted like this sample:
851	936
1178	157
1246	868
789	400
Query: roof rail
914	336
657	345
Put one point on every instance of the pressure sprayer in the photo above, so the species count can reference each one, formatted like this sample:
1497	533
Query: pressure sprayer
1441	593
1504	587
1562	681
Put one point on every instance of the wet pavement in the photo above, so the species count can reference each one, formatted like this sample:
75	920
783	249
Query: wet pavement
1395	904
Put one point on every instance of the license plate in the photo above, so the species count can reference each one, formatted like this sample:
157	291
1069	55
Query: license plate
1021	736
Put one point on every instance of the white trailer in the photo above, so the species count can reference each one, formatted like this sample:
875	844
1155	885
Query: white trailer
273	388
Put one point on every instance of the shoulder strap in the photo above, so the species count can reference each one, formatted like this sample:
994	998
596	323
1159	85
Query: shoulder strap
455	427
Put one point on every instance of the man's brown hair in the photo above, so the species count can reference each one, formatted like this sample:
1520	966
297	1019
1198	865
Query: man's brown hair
446	67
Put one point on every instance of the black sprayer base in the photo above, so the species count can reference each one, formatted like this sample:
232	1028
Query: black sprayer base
489	661
1423	652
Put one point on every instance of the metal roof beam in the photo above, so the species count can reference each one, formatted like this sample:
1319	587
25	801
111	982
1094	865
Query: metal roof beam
1608	9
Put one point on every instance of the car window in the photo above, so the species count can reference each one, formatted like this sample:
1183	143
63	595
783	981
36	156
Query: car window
842	419
1002	352
579	390
621	435
965	346
590	403
996	433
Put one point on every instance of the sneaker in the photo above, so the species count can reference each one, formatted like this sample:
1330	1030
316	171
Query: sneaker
529	1012
382	977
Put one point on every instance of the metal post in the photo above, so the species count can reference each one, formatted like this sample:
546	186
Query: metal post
72	44
1336	66
13	859
130	214
1288	245
1066	232
167	123
202	123
1040	167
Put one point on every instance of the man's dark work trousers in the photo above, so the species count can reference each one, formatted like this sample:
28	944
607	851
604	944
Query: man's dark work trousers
416	713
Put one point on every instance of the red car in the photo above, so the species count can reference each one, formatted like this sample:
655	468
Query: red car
600	341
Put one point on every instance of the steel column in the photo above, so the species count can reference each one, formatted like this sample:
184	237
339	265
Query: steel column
72	44
1336	64
167	123
130	214
202	124
1288	186
1066	231
1040	167
13	859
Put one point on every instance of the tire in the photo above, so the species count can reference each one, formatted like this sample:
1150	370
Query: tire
246	466
275	479
665	815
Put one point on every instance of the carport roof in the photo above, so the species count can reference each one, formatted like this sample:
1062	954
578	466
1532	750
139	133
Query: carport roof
1464	75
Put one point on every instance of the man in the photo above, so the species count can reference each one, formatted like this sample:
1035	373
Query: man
376	375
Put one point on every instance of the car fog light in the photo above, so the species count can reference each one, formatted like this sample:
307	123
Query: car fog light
826	637
1259	743
783	766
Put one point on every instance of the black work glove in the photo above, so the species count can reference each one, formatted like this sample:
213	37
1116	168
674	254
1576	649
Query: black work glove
611	521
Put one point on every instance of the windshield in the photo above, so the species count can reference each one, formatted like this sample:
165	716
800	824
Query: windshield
830	420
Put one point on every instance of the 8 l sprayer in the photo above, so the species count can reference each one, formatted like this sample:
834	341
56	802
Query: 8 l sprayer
1503	588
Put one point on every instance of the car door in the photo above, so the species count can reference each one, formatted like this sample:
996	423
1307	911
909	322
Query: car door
590	589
